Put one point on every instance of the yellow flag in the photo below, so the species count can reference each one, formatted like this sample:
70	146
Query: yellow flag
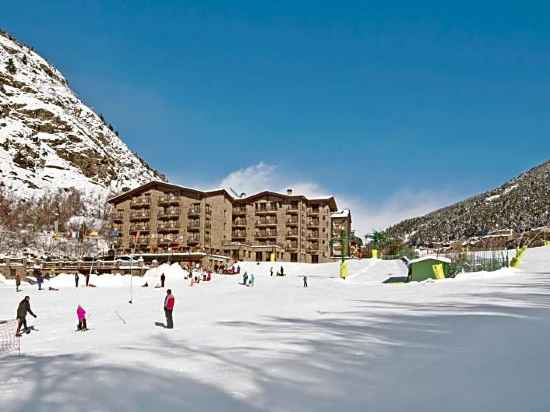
439	272
344	269
375	253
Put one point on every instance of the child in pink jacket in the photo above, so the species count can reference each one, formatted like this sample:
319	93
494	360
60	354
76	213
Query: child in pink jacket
81	313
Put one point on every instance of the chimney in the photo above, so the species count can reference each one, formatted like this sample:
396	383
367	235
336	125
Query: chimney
289	192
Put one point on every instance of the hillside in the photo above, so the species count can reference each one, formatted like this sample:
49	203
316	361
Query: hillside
522	204
50	140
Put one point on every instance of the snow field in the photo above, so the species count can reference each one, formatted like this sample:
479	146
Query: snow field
476	343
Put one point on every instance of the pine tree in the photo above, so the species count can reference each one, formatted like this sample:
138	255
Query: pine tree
10	66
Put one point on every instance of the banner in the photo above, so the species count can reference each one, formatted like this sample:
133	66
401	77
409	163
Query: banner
438	270
344	270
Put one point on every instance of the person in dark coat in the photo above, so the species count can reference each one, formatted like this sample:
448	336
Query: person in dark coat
76	279
39	280
169	302
87	279
282	271
22	310
17	282
162	279
305	281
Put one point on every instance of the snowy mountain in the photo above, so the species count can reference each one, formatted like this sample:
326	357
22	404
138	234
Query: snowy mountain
521	204
50	140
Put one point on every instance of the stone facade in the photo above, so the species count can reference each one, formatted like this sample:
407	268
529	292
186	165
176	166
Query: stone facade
161	218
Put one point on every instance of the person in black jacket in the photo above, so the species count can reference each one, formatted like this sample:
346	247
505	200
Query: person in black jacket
162	279
22	310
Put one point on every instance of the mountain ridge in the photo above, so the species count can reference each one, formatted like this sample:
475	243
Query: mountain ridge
520	205
50	139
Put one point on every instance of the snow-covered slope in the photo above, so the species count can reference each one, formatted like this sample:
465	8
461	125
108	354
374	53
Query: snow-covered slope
477	343
49	139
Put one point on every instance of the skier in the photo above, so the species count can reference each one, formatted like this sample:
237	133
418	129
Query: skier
81	314
17	282
87	279
162	279
39	280
271	271
245	278
22	310
169	302
282	271
305	281
76	279
251	280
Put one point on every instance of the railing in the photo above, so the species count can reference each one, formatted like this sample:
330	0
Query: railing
292	222
269	209
292	246
239	222
167	199
168	226
313	211
266	222
117	216
138	228
140	201
293	233
239	211
313	223
193	241
169	213
193	226
140	215
313	247
266	234
166	240
194	211
238	235
313	235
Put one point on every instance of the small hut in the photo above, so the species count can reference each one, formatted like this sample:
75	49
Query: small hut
428	267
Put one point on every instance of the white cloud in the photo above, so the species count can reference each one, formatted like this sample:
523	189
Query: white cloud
367	216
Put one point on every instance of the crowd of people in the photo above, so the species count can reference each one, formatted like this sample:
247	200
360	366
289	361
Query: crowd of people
520	206
195	274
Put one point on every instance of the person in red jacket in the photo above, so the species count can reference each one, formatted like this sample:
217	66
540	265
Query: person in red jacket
169	301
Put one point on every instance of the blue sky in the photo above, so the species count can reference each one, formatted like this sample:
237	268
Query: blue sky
395	107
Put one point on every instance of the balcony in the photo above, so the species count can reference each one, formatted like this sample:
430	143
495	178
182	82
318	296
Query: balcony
266	222
169	200
313	235
313	212
140	227
239	211
194	211
312	247
239	223
292	234
266	210
293	210
193	241
142	241
266	234
140	216
194	226
292	246
292	222
313	223
117	217
239	235
170	226
142	201
208	211
169	213
166	240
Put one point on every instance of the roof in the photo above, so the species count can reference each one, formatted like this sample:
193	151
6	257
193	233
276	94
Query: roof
341	213
439	258
331	201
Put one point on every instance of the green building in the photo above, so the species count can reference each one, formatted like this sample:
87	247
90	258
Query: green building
426	268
